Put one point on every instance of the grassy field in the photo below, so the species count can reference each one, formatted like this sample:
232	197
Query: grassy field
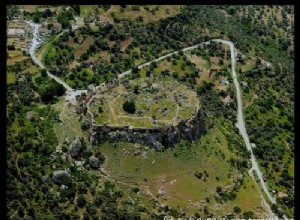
84	9
160	12
33	8
173	171
10	77
15	56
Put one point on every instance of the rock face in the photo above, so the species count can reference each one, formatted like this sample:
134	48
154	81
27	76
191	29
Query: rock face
30	115
158	138
81	110
75	147
94	161
45	179
60	175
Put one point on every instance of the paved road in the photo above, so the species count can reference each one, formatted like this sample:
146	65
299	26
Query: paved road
242	128
241	123
71	94
161	58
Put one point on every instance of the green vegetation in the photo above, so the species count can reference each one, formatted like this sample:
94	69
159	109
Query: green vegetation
151	171
207	178
129	106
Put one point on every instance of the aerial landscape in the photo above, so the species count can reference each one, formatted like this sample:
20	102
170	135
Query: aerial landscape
150	112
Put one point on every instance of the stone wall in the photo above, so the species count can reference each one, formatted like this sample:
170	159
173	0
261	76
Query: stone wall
158	138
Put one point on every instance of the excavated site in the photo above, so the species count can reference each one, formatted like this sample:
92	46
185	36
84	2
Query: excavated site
164	112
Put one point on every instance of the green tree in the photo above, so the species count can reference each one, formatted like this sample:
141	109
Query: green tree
44	72
237	210
129	106
136	89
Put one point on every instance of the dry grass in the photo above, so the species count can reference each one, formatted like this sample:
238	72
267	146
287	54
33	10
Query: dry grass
204	76
110	43
163	12
74	64
13	60
71	43
32	8
14	53
124	44
105	56
200	63
32	69
10	77
84	46
29	8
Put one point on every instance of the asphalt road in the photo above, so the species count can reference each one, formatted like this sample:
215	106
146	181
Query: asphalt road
71	93
242	128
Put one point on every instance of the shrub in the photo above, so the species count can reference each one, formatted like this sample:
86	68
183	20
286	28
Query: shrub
129	107
237	209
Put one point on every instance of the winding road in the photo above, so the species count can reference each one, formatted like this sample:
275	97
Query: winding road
72	93
242	128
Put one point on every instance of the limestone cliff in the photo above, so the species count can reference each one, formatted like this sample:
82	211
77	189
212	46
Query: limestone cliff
158	138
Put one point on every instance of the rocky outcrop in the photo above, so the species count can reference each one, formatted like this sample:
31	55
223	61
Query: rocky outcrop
45	178
75	147
158	138
94	161
59	176
30	115
81	110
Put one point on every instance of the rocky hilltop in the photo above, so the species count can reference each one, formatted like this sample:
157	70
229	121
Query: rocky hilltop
158	138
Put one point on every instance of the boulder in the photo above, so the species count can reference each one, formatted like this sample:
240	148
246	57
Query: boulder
161	192
81	110
60	175
75	147
136	153
86	124
63	158
30	115
94	161
45	179
93	138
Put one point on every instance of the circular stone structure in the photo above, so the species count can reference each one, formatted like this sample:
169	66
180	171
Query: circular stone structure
165	112
157	103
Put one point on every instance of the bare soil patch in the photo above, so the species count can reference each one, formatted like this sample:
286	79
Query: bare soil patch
84	46
125	43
